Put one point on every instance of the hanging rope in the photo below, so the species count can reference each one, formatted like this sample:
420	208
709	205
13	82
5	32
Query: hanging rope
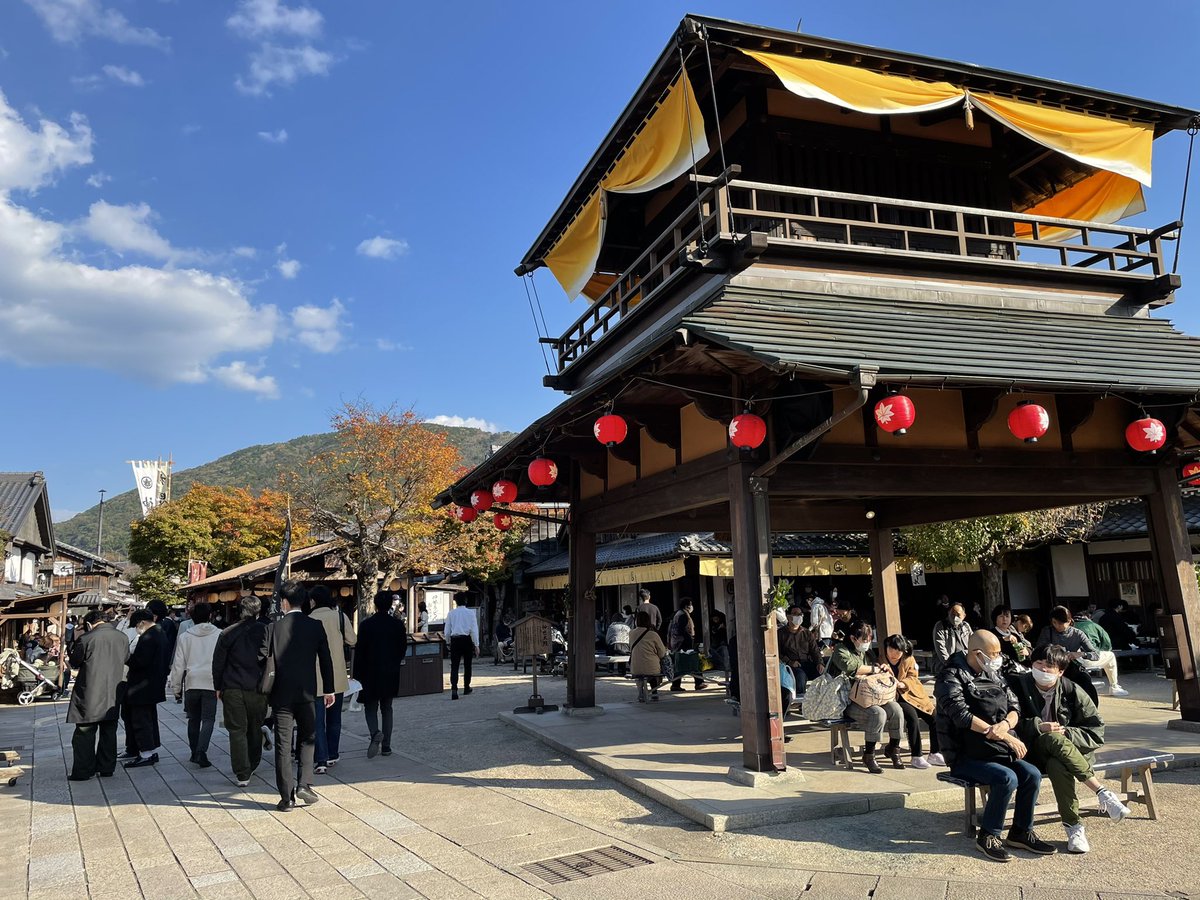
541	346
712	89
1193	128
695	172
538	300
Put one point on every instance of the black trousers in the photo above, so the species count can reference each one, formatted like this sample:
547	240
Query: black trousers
374	708
913	718
94	748
300	718
131	747
462	650
144	718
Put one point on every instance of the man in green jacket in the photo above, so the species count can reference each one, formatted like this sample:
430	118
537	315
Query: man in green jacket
1061	727
1100	639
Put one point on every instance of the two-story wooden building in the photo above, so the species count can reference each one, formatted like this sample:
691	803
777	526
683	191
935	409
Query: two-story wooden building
817	234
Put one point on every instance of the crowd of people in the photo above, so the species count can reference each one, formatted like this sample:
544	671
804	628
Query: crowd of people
284	679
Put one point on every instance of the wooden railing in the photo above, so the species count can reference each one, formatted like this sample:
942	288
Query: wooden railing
795	218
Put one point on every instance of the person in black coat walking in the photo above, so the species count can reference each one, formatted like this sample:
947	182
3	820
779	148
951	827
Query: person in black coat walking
382	643
296	645
237	676
146	687
100	656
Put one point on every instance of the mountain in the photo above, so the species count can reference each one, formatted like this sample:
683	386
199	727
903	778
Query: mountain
254	468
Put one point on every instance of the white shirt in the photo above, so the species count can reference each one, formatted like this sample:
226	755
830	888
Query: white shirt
820	619
463	621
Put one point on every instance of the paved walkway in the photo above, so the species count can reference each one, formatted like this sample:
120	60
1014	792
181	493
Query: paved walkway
467	803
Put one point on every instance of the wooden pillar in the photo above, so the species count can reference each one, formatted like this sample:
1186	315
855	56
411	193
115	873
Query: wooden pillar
758	651
883	583
581	639
1172	551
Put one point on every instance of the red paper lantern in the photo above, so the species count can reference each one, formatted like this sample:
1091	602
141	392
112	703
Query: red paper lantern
747	431
1146	434
503	521
465	514
895	414
543	472
1191	472
610	430
481	500
1028	421
504	491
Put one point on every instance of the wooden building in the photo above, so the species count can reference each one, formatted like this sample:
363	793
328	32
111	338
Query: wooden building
794	227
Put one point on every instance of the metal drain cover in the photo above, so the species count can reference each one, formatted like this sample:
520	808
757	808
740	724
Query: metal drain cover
584	865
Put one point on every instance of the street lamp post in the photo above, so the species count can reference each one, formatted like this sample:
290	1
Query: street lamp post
100	530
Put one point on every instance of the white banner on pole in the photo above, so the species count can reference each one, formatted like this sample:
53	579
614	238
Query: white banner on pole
151	478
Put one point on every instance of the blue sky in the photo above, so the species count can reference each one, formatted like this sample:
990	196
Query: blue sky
218	219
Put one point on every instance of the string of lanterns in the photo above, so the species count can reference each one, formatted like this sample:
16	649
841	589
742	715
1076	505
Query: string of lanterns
894	414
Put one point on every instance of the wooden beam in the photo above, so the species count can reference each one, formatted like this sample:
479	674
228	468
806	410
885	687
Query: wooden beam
979	405
915	511
883	583
1073	411
689	486
660	422
900	453
581	636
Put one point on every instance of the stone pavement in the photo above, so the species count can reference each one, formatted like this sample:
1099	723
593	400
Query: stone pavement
467	803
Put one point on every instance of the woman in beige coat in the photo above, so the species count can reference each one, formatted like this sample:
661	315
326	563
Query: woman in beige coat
340	634
646	653
914	700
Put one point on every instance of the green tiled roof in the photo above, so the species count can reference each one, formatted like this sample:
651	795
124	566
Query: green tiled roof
935	343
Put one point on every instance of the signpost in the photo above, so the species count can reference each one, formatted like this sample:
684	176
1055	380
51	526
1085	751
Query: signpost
532	637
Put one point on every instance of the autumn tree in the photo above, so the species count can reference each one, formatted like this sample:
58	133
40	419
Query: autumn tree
374	491
988	539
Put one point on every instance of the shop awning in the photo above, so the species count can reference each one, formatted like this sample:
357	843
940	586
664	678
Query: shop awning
813	566
644	574
664	148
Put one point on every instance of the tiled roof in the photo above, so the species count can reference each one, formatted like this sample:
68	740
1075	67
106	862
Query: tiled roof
1127	519
19	492
73	552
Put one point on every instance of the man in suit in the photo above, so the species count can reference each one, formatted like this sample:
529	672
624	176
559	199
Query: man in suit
297	646
146	687
382	643
100	656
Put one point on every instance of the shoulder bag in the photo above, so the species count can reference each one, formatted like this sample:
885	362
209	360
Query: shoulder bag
827	697
347	651
873	690
267	682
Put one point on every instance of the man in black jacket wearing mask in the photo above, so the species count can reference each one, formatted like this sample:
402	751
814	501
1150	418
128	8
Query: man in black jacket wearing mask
237	676
146	687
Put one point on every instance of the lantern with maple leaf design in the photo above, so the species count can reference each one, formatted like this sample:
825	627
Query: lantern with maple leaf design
465	514
895	413
1028	421
543	472
481	500
503	521
504	491
1191	474
747	431
1146	434
610	430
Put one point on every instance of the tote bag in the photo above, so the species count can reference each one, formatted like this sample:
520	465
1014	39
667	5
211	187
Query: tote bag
827	697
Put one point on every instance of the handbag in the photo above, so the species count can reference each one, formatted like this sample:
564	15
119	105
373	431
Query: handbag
267	682
347	650
873	690
668	668
826	697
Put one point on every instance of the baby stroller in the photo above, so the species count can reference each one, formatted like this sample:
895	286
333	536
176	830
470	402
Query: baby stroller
26	679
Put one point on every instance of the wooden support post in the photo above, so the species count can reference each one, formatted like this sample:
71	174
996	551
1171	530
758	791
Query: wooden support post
581	639
883	583
758	652
1172	551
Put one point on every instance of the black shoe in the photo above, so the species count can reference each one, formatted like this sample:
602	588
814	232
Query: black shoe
703	685
142	762
893	753
307	794
373	747
454	695
194	758
106	774
285	806
993	848
1028	840
868	760
466	691
677	689
127	755
79	778
202	761
387	751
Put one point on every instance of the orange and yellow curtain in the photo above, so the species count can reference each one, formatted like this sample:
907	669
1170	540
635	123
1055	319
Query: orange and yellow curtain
660	152
1102	197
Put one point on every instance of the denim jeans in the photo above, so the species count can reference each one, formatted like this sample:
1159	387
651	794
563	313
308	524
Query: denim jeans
329	729
1003	778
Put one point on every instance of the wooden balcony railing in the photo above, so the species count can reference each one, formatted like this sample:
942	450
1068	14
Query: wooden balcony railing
794	218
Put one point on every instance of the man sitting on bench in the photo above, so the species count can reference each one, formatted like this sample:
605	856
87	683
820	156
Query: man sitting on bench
976	717
1062	729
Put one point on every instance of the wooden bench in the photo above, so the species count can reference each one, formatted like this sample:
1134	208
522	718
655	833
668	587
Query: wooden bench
10	771
841	751
611	663
1135	762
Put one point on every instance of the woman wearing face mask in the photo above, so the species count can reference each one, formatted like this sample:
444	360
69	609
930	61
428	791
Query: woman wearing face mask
1013	644
915	702
853	657
950	636
1062	729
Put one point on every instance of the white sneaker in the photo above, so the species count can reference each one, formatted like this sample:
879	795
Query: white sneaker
1077	841
1110	804
936	759
243	783
1117	691
919	762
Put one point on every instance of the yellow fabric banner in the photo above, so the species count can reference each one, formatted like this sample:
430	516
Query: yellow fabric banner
811	566
662	571
657	155
1102	197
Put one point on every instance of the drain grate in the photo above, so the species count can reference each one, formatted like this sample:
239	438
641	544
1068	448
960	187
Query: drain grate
585	865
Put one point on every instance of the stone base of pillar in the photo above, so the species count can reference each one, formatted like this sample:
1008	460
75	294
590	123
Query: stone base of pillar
1184	725
584	712
738	775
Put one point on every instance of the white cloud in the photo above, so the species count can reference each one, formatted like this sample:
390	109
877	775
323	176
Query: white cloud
58	514
288	268
98	179
189	130
245	252
262	18
271	64
123	75
319	327
129	229
467	422
241	376
154	324
382	248
274	137
70	21
387	346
